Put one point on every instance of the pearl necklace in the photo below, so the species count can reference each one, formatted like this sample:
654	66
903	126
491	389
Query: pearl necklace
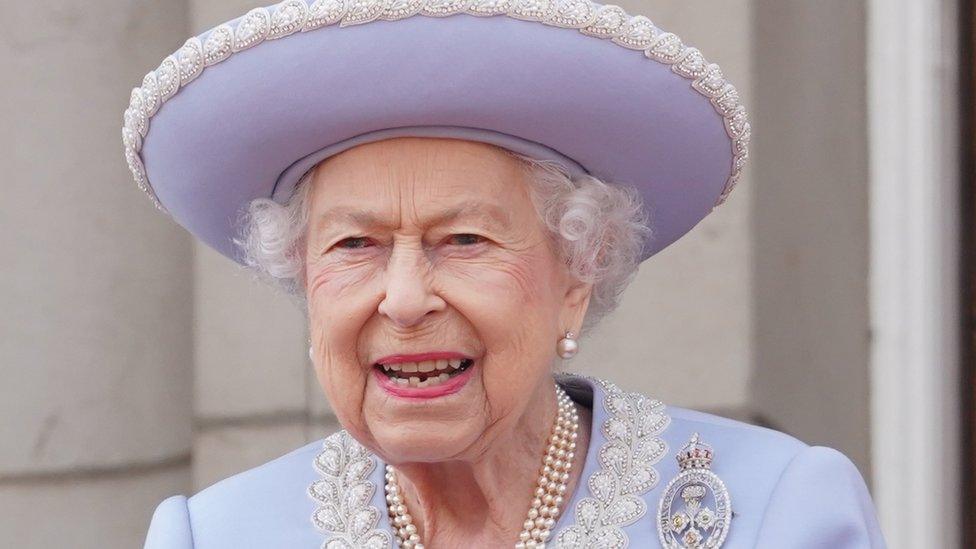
549	493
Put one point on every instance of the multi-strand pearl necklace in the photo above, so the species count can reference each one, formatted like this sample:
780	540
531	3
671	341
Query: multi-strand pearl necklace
547	500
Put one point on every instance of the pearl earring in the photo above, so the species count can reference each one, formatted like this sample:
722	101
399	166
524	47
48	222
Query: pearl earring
311	353
567	346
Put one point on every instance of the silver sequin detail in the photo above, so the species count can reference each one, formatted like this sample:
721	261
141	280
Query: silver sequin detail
252	30
401	9
168	78
637	33
324	12
287	17
190	57
150	94
363	11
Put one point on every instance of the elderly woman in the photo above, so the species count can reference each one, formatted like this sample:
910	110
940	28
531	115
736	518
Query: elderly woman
455	190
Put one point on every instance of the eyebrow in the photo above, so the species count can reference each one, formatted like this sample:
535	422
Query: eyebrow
348	215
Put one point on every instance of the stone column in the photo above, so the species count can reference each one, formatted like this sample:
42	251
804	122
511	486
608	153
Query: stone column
96	286
811	225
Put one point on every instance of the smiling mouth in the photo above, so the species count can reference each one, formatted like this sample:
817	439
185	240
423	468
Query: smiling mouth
428	373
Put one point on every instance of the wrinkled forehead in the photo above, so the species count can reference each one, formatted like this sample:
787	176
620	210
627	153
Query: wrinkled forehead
421	173
416	182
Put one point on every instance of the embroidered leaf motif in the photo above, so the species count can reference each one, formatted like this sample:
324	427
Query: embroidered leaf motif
356	470
617	429
573	536
328	517
588	513
329	462
344	495
362	521
376	540
633	426
639	480
608	539
338	543
614	457
603	486
356	495
324	490
623	510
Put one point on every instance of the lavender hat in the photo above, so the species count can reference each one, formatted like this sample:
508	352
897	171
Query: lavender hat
244	109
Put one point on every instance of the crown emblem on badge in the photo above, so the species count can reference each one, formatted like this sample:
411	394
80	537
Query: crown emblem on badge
695	454
695	510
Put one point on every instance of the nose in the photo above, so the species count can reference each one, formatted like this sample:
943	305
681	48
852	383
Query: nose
408	296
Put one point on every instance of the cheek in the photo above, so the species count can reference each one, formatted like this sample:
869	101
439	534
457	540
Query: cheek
340	303
497	282
510	305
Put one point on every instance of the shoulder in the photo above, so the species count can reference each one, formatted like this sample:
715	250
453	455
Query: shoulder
785	493
265	506
755	453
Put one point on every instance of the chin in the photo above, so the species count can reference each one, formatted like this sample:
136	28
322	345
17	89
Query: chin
423	441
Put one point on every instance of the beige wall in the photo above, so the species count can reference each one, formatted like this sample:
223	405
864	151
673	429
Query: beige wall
161	349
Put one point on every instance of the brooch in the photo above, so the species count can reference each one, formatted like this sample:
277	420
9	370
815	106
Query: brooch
696	509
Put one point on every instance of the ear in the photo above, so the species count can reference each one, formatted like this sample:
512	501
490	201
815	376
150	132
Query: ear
575	304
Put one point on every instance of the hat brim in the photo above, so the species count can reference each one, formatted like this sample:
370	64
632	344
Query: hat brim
250	124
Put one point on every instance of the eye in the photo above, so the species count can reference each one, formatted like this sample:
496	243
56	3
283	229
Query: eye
353	243
466	239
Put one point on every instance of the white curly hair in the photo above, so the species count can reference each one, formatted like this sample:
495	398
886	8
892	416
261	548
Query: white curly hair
598	229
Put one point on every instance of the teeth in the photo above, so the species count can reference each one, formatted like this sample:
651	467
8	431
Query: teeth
437	372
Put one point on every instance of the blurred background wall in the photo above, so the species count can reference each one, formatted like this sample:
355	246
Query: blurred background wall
137	363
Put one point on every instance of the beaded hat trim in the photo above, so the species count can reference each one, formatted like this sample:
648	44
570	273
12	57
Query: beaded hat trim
608	21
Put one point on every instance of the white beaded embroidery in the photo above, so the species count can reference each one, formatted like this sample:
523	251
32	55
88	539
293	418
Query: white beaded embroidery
343	493
288	18
285	18
633	446
190	57
252	30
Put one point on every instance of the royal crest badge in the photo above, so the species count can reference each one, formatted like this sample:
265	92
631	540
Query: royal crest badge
695	510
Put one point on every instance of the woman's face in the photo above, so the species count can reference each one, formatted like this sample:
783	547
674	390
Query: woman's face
431	247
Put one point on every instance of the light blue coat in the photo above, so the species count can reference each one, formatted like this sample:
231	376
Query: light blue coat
784	494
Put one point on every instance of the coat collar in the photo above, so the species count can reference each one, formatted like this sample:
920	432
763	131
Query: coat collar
626	444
